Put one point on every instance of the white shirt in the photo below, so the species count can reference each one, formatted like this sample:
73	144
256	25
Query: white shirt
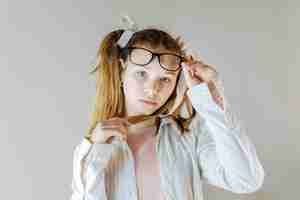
213	153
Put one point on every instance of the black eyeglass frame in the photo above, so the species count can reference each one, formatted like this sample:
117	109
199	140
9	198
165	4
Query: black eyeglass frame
127	50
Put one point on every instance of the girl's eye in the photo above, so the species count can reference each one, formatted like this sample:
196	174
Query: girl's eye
141	74
165	79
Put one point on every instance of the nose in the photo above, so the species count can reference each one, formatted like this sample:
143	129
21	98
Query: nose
151	89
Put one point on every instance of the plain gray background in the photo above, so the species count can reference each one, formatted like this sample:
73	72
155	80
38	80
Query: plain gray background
46	48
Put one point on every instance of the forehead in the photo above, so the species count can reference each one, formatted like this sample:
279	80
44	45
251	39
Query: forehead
156	49
157	68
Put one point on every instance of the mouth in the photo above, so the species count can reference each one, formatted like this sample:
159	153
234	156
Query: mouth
151	103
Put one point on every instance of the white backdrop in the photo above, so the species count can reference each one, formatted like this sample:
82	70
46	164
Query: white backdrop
46	91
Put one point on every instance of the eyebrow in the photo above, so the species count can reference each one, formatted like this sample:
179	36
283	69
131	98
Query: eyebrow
166	72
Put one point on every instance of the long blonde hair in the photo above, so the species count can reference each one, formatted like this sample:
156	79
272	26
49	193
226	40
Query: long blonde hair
109	99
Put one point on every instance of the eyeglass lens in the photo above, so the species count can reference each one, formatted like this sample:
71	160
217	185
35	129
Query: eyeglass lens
142	57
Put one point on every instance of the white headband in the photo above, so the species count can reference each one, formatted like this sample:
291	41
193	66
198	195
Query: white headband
130	28
126	35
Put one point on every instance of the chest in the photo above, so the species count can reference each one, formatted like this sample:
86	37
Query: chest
146	166
160	167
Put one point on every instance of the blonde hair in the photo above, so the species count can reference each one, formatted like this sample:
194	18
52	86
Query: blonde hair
109	99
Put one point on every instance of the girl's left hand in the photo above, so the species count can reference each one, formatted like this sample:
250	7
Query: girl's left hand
196	72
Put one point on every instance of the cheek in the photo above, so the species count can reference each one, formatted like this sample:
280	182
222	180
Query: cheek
132	88
167	91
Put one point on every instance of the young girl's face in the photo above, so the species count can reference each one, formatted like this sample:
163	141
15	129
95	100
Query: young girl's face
150	83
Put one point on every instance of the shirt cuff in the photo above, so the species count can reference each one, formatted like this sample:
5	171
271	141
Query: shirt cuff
84	147
201	98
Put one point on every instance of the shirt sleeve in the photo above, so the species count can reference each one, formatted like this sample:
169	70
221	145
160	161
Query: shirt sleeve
224	152
89	161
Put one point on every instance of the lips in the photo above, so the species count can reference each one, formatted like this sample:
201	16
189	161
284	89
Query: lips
149	102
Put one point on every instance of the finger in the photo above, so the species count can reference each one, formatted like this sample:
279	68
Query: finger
112	124
114	133
106	135
203	75
117	120
195	55
121	129
192	69
200	66
107	132
125	121
209	73
208	67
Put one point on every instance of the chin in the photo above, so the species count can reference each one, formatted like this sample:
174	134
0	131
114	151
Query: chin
145	111
149	112
140	109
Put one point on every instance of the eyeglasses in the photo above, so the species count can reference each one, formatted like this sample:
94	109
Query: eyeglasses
141	56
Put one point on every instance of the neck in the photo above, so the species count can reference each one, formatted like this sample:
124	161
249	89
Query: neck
141	124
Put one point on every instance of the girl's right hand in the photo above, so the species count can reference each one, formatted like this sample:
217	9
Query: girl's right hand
107	129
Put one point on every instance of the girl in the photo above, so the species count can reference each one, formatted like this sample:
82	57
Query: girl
161	126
